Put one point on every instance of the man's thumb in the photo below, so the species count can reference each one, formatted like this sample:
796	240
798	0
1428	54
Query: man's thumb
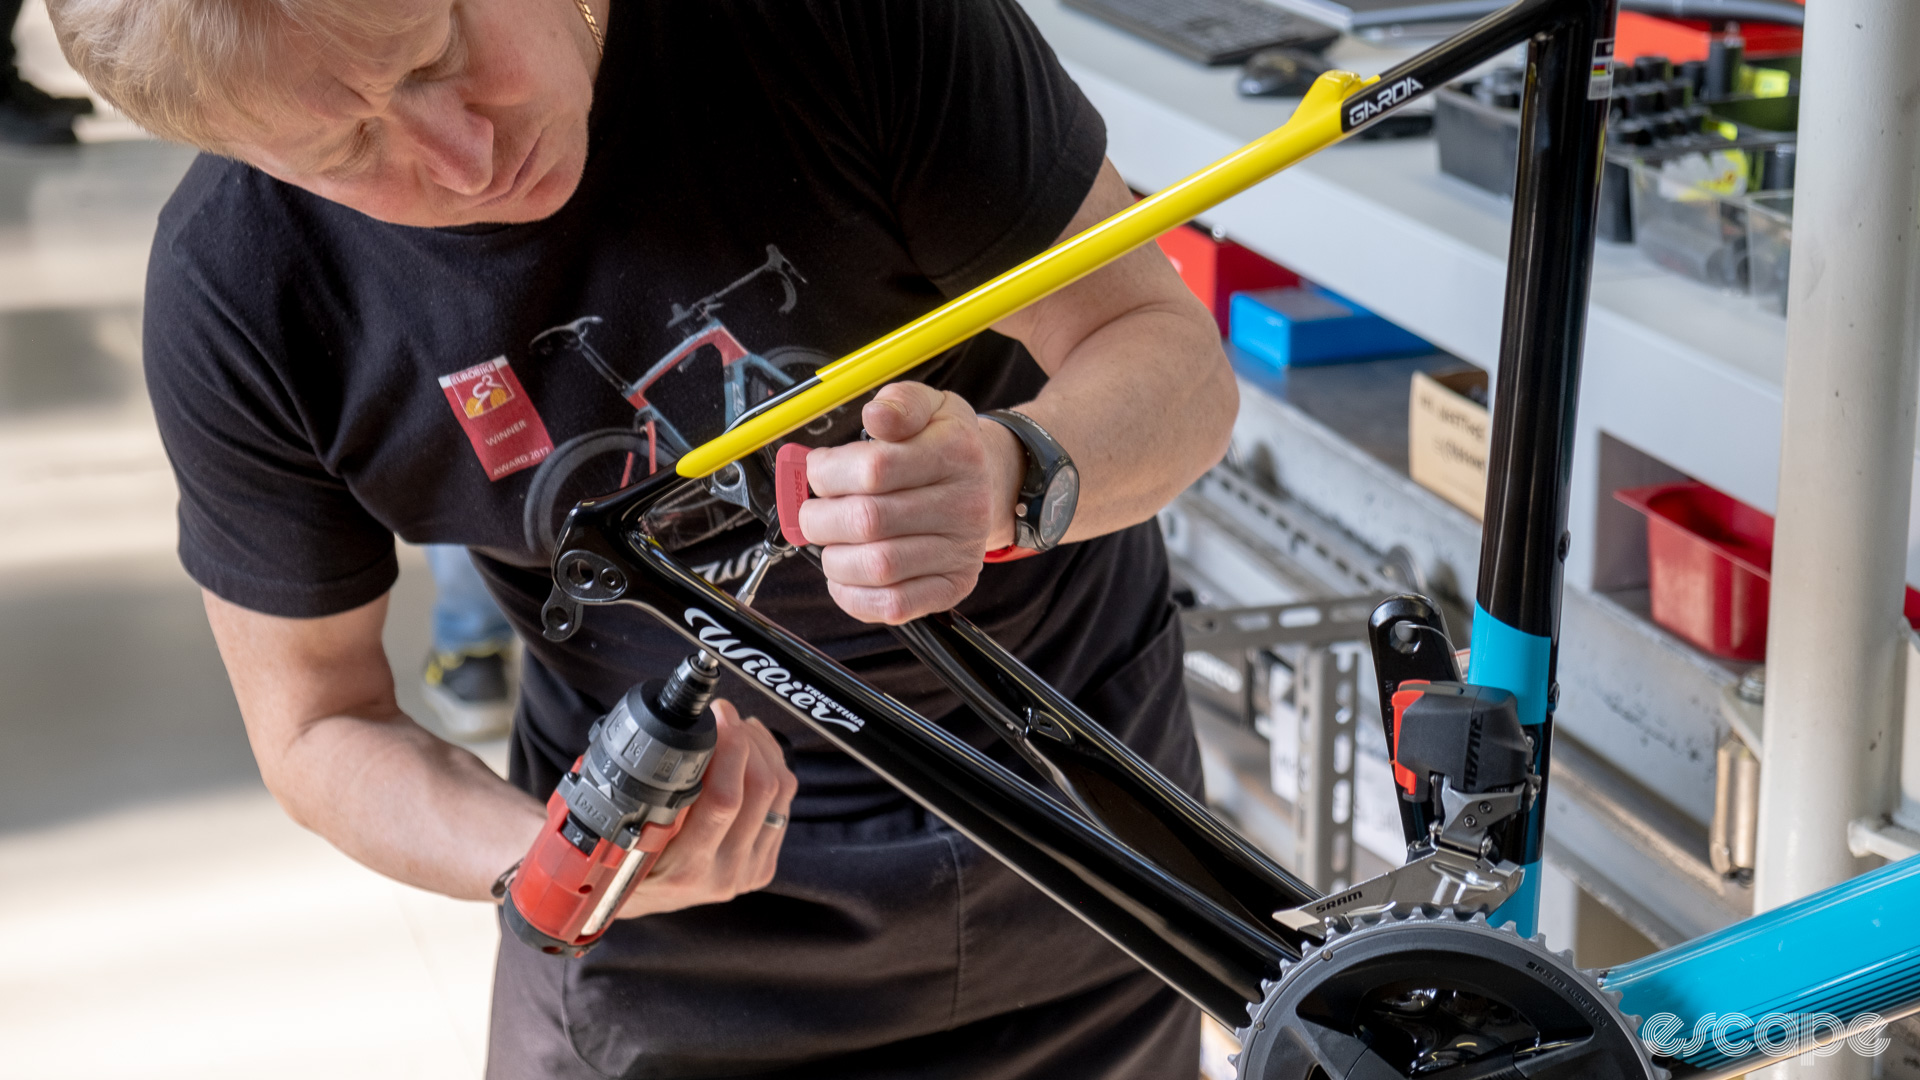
901	410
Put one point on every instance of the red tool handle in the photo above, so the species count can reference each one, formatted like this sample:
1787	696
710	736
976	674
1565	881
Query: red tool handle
790	490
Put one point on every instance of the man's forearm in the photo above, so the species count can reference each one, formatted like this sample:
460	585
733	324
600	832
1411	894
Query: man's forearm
1139	390
343	760
405	803
1145	404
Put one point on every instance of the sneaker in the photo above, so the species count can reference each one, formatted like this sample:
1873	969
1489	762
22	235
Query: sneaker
472	692
29	116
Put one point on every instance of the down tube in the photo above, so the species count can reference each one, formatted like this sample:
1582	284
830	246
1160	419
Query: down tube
1516	623
1216	958
1830	966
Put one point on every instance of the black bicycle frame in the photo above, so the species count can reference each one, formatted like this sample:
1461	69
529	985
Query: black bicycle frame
1128	851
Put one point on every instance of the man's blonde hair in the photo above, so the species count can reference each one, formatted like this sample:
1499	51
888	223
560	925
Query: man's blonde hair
207	72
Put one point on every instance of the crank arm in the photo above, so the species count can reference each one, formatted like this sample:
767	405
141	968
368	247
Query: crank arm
1409	643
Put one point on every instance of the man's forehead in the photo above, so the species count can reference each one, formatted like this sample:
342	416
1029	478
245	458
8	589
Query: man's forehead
333	79
370	59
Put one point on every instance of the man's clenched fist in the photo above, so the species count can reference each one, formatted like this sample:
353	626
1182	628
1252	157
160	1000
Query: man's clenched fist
904	518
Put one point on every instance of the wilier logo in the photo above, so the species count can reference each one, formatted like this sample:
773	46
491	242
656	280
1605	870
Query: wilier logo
757	665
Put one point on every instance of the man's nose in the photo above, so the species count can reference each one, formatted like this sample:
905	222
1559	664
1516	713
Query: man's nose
452	143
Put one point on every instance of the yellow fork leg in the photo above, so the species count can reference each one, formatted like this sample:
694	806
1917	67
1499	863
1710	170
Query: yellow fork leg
1315	126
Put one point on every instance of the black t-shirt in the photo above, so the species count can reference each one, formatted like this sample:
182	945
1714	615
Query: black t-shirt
769	185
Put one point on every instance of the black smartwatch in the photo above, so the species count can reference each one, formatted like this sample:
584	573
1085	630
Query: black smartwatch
1048	493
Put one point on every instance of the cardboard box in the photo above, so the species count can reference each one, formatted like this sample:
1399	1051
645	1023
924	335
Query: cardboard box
1447	437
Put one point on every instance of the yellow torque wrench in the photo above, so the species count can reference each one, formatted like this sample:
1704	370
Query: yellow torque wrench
1317	124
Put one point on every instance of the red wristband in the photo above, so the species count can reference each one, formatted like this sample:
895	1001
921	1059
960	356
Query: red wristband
1008	554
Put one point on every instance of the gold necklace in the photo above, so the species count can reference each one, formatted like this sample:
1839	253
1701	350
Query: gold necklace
593	26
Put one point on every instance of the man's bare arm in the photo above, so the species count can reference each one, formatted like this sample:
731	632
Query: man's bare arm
344	761
1139	389
1139	393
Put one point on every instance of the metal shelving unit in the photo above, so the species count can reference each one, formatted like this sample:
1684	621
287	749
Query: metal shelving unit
1686	374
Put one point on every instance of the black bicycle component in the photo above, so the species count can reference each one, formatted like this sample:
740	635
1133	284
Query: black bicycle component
551	342
1435	996
1409	643
1524	540
1460	755
1213	953
1550	261
1105	780
1468	734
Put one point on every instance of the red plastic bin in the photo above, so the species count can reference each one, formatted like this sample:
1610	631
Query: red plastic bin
1216	269
1709	567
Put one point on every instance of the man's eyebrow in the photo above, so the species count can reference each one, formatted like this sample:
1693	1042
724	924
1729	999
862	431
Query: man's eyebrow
328	156
448	49
335	156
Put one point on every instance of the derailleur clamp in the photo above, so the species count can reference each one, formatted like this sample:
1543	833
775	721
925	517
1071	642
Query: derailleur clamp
1458	870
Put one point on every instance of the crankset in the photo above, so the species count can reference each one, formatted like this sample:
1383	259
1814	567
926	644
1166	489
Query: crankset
1437	994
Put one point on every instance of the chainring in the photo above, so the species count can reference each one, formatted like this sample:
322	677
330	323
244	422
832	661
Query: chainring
1438	995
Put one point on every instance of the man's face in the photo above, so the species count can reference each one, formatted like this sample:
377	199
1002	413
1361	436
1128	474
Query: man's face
477	115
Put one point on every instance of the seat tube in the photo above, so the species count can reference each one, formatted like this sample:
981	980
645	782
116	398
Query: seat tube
1516	623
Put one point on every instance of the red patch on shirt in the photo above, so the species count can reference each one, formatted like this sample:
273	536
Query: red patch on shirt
500	421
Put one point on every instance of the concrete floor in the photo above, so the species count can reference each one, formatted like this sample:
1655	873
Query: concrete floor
159	916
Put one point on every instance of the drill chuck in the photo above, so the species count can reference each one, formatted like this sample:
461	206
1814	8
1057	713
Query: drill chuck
691	687
614	812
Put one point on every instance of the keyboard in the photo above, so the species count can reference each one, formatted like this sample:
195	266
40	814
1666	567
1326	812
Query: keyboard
1211	31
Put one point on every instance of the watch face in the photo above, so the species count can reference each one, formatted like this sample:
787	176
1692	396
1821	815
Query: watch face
1056	506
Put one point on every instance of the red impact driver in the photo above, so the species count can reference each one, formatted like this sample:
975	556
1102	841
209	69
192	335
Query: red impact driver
624	799
613	814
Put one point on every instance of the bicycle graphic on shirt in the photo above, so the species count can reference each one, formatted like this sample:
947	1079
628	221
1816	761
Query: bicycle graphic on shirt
691	394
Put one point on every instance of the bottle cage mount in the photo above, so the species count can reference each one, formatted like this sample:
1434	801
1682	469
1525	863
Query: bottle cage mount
1430	970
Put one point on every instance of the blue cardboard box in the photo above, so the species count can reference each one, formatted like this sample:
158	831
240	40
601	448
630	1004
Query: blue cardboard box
1310	325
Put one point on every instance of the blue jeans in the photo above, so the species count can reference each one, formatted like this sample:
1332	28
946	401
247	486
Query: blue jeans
465	618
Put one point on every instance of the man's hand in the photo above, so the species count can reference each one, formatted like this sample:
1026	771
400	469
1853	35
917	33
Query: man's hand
726	847
903	519
1138	391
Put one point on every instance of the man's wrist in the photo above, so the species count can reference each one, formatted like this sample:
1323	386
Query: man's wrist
1006	469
